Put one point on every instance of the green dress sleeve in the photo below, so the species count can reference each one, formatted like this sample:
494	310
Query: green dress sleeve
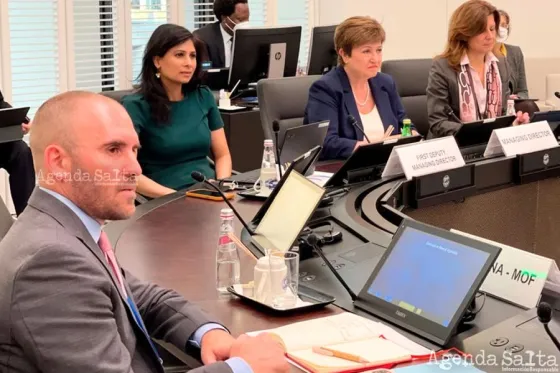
138	110
215	121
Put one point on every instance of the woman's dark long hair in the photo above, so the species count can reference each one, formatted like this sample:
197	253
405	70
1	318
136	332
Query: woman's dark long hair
162	40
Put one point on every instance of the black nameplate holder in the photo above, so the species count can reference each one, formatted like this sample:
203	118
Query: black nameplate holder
370	173
536	166
443	186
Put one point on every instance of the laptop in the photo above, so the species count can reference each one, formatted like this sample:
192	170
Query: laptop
479	132
552	117
300	164
284	215
426	280
298	140
367	162
10	123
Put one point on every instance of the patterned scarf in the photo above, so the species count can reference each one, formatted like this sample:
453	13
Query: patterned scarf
468	94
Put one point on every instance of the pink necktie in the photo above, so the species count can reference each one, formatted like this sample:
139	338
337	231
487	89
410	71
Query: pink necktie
107	249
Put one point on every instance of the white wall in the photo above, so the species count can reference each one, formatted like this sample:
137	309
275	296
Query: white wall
418	29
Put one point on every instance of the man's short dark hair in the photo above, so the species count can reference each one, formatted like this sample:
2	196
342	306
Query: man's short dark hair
226	7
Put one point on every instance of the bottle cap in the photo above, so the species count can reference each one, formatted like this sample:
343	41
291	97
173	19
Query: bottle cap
268	142
226	213
407	121
510	101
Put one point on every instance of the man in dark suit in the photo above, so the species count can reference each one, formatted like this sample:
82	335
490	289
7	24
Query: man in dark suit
16	159
65	304
218	36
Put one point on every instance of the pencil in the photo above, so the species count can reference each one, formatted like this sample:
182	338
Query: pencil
341	355
240	244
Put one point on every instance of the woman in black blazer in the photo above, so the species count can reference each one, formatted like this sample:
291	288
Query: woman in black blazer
355	97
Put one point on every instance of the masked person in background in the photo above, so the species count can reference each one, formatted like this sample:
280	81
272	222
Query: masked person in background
218	36
514	57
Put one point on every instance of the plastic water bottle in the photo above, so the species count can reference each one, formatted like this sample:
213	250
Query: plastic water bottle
227	257
269	174
406	130
510	107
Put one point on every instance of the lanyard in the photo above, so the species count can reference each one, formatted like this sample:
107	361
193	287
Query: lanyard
478	114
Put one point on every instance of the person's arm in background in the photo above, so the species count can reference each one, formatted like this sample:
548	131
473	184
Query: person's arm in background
3	104
218	145
146	186
438	103
322	106
521	89
149	188
222	157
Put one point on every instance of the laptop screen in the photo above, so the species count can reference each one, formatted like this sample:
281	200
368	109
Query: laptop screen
287	215
428	275
427	279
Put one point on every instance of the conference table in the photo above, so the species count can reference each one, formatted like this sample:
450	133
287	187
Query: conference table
172	240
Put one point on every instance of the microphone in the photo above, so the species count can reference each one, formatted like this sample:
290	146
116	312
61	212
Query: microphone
451	114
557	94
276	129
202	179
354	123
544	313
313	241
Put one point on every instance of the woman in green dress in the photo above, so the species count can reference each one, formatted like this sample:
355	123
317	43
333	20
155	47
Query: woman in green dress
177	119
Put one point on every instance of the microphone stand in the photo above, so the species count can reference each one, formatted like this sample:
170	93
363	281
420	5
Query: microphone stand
312	241
276	129
552	337
201	178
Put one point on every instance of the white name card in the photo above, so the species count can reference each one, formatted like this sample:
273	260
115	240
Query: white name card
423	158
517	276
522	139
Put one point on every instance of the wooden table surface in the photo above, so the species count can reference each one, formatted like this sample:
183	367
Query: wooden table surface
174	246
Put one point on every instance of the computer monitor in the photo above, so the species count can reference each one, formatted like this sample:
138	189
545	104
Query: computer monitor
322	56
252	59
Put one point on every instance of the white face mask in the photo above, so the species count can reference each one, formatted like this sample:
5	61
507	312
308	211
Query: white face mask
242	25
502	34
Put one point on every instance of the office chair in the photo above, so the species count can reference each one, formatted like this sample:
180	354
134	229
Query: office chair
284	100
411	78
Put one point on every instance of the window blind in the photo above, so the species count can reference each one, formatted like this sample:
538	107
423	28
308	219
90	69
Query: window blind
95	44
145	18
34	52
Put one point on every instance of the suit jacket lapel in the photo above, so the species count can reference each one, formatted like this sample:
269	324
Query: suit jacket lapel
349	100
382	102
51	206
220	44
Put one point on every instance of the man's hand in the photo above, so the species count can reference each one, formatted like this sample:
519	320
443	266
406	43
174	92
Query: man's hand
215	346
26	127
521	118
263	353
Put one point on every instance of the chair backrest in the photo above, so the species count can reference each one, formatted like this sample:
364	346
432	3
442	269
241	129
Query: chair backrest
284	100
117	95
411	78
6	219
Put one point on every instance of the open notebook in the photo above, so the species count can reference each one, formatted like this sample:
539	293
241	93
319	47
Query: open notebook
345	333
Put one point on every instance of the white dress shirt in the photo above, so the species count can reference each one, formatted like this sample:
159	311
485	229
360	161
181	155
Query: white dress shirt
228	40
